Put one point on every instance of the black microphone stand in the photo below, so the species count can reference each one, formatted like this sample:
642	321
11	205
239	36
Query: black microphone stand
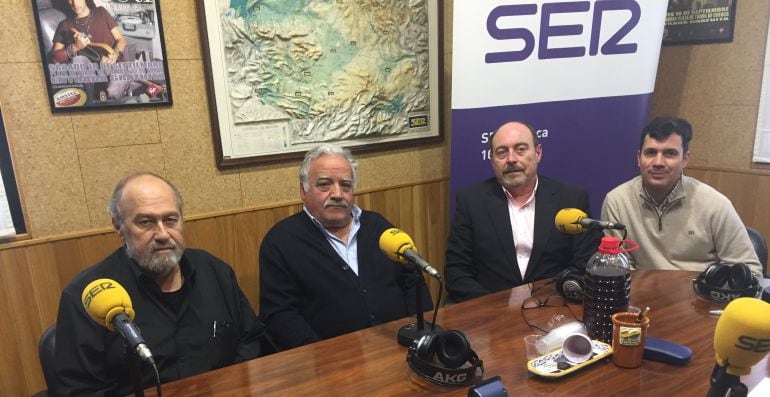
416	330
722	382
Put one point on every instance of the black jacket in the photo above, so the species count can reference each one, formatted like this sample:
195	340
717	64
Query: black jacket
91	360
308	293
480	255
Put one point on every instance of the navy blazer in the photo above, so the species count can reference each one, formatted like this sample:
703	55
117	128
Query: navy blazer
480	254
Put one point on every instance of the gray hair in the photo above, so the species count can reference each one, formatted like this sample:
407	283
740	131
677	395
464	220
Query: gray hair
113	207
325	150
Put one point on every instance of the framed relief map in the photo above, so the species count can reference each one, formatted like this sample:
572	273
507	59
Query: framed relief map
284	76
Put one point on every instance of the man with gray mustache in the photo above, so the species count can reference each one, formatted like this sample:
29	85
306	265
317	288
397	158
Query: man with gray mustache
321	272
189	307
503	233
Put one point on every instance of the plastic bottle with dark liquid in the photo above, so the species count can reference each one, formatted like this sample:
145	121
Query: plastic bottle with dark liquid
607	288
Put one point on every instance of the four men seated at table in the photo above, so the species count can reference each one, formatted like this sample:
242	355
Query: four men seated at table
322	273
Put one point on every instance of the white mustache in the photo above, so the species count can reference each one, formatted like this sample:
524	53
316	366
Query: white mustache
335	203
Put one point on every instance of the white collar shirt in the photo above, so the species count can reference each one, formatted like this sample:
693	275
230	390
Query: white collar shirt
522	218
348	252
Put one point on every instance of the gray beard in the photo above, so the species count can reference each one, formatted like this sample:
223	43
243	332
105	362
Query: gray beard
159	264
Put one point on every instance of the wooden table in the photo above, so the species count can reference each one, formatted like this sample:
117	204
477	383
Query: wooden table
370	362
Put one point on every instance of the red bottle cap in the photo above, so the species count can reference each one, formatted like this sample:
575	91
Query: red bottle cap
610	245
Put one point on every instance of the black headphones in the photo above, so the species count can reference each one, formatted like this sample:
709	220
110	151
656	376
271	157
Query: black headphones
569	283
453	351
722	282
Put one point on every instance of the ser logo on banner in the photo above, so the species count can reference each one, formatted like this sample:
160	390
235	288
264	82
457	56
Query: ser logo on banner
611	46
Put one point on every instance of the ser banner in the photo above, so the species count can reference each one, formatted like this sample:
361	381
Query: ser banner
580	72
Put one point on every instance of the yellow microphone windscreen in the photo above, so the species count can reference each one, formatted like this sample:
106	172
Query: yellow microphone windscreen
568	220
742	335
104	298
394	242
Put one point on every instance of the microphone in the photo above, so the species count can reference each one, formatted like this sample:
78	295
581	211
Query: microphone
741	339
108	303
574	221
398	246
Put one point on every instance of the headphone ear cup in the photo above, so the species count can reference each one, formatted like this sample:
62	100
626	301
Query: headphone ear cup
426	347
740	276
717	274
453	349
569	283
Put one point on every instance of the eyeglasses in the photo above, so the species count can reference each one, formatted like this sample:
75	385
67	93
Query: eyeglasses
535	302
533	289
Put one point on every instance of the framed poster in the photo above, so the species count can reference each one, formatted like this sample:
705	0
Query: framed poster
284	76
102	54
699	21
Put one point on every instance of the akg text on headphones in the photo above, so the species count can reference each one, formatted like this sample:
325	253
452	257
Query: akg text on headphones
569	283
723	282
457	362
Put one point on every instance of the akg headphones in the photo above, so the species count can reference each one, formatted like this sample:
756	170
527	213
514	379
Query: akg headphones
569	283
453	351
722	282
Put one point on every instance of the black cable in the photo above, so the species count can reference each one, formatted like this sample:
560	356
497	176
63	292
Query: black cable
157	380
438	302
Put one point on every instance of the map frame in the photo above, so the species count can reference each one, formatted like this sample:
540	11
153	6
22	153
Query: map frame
224	129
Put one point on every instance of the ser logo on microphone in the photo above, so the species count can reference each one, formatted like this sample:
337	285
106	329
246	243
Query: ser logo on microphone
95	291
752	344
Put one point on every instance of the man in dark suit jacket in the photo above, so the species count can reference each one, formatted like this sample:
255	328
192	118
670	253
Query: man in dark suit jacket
503	234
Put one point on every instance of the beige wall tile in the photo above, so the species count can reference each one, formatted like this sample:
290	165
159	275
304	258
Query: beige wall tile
730	142
104	167
432	162
188	90
739	81
44	154
118	127
19	40
270	184
181	29
699	97
386	168
671	79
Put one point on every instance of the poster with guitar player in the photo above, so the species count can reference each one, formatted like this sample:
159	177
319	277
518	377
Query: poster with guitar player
102	54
